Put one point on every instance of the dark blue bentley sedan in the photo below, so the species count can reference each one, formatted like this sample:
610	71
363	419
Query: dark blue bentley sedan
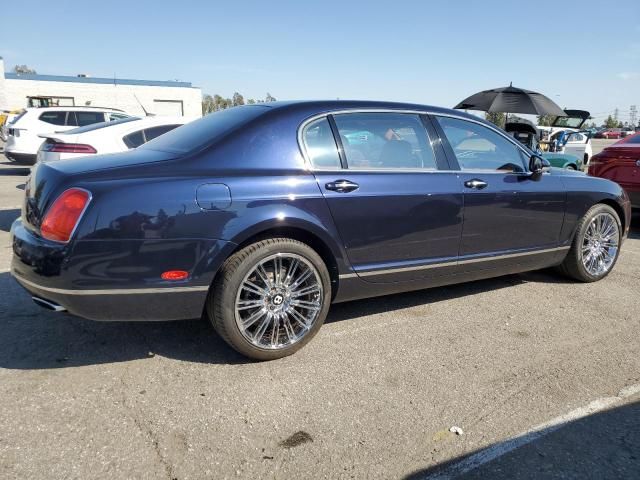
261	216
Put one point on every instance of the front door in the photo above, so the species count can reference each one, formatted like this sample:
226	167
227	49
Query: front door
397	210
510	216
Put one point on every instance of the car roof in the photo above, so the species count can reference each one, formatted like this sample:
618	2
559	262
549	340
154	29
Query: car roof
312	107
71	107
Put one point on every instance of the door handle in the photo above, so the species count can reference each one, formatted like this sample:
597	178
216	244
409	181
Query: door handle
476	184
342	186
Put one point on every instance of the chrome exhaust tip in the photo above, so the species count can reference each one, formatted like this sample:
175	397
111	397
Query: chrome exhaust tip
49	305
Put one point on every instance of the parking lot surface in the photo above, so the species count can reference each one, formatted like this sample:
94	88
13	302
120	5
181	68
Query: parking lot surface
539	373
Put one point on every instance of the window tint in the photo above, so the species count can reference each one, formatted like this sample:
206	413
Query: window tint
197	135
134	140
385	140
151	133
88	118
54	118
320	144
479	148
634	139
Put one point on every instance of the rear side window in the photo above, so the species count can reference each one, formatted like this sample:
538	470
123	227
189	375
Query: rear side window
320	144
134	140
89	118
151	133
385	140
116	116
477	147
54	118
197	135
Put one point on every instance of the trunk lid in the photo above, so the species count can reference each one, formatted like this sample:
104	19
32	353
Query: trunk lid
574	119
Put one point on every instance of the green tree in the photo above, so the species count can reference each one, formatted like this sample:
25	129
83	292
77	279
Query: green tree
269	98
251	101
237	100
207	104
610	122
546	120
23	69
497	118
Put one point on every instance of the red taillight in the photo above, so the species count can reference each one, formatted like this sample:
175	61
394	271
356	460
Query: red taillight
69	148
174	275
62	217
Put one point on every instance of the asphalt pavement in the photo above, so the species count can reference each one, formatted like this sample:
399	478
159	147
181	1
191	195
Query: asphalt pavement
540	374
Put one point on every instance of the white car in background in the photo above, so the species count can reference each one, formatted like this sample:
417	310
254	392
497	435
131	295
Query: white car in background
23	140
105	137
565	135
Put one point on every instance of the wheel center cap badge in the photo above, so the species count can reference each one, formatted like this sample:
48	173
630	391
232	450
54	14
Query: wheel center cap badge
278	299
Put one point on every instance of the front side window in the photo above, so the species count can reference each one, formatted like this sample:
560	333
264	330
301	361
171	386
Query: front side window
385	141
320	145
88	118
477	147
54	118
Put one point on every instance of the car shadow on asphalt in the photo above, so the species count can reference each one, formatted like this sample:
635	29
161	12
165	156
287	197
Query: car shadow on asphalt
35	338
7	217
602	445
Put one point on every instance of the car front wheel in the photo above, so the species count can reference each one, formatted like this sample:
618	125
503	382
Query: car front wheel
270	298
596	246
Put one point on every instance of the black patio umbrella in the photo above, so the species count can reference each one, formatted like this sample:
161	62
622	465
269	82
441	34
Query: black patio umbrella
511	100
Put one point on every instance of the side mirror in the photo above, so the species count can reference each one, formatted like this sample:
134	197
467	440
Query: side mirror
537	164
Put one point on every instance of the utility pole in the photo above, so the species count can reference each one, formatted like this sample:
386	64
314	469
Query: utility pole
615	114
633	115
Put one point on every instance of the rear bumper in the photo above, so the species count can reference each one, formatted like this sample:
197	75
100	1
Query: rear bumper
23	158
81	284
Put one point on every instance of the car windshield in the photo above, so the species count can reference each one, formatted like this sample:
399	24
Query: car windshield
196	135
98	126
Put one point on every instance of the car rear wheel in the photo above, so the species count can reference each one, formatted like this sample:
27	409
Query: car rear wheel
596	246
270	298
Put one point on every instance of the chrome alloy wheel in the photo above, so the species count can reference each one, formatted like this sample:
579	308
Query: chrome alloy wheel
279	301
600	244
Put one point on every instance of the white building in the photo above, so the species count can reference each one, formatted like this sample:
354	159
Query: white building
158	97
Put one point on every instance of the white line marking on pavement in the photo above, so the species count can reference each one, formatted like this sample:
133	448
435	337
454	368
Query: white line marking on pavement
491	453
18	207
5	270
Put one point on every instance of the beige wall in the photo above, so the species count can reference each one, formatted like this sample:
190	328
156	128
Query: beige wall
103	95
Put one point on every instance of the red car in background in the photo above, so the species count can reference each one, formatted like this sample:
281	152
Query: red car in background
620	162
610	133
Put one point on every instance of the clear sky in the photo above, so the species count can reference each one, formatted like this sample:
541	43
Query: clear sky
582	54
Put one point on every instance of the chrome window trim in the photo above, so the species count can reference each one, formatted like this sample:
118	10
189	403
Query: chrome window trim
387	271
303	147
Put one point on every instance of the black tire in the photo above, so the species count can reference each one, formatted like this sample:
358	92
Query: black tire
222	299
572	266
571	167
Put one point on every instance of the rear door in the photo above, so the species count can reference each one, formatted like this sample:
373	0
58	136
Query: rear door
509	215
397	208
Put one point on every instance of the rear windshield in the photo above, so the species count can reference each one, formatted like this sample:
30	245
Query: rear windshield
200	133
98	126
